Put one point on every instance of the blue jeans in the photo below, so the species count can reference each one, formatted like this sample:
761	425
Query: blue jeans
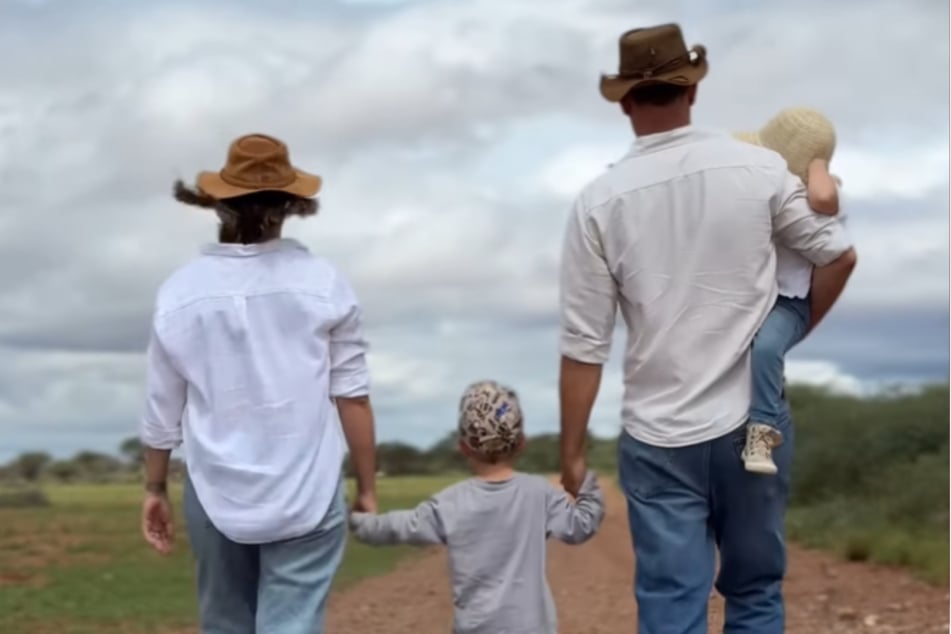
275	588
785	326
684	503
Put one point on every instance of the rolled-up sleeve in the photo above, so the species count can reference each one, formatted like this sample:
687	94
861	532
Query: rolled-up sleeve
349	375
588	298
820	239
165	394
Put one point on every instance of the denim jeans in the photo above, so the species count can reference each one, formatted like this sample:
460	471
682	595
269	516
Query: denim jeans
785	326
274	588
684	503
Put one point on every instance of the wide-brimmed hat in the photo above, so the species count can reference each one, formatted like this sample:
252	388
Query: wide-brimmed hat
655	54
799	135
258	163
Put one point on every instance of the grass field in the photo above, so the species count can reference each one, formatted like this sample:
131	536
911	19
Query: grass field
81	567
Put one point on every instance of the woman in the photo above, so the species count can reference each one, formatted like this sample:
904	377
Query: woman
253	343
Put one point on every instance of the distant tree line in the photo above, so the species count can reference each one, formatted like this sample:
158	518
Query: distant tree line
885	429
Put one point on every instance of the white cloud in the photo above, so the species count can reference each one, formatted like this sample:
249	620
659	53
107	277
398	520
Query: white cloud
904	172
825	374
451	136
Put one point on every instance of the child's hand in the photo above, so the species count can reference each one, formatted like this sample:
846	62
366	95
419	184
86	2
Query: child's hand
821	188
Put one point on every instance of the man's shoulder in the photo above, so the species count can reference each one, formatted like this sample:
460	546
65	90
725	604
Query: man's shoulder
706	150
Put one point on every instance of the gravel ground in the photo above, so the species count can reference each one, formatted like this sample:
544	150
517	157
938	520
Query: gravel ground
592	585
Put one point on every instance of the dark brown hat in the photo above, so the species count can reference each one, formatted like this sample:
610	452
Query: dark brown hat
655	54
258	163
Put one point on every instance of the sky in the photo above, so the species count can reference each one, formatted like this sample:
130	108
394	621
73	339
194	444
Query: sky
452	137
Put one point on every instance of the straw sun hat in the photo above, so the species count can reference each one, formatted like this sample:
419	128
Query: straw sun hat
799	135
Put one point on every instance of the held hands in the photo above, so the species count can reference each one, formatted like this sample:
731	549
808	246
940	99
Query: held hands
573	470
365	503
157	525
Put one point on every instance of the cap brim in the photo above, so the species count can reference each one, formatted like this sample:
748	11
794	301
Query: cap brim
304	185
613	87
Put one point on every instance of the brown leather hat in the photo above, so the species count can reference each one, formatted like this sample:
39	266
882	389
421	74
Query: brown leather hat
655	54
258	163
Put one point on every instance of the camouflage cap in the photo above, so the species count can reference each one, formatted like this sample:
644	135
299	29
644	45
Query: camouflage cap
490	419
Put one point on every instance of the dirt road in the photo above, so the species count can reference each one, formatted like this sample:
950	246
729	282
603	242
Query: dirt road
592	587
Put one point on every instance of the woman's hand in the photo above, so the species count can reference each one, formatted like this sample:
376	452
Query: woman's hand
157	524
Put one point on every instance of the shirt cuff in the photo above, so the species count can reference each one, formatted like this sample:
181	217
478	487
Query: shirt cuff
584	350
156	436
349	384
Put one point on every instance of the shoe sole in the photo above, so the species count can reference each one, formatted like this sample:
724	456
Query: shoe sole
765	469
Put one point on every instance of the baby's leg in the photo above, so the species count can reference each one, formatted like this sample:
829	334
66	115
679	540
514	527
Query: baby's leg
784	327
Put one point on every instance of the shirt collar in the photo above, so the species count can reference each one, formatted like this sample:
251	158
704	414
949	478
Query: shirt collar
251	250
661	140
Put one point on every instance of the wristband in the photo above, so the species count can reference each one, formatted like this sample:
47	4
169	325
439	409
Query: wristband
157	488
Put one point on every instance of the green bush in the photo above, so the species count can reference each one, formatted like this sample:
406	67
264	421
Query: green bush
17	498
870	477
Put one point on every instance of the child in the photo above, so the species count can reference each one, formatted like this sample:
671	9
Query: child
806	139
494	524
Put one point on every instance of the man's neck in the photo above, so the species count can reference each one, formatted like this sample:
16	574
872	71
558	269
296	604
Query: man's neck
653	120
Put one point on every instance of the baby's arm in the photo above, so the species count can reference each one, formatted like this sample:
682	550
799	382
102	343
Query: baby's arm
576	522
421	526
822	191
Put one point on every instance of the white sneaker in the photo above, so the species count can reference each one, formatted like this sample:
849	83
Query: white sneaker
758	453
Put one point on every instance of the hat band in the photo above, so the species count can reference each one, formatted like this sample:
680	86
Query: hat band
265	180
691	58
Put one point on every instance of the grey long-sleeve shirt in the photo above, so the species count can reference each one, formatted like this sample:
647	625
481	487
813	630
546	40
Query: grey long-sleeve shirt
496	534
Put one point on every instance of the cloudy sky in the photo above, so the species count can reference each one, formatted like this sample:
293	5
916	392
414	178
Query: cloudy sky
452	136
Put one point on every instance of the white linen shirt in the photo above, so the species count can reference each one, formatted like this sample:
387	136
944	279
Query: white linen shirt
249	344
794	272
680	233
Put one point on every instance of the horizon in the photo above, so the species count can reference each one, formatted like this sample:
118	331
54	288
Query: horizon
892	390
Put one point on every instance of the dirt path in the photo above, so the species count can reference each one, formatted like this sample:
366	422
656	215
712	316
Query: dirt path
592	585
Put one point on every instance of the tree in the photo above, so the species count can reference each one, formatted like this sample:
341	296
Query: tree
64	470
96	466
133	450
394	458
30	465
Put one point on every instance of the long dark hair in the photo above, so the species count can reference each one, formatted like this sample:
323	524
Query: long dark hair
251	218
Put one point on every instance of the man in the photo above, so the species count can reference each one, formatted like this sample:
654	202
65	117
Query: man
679	234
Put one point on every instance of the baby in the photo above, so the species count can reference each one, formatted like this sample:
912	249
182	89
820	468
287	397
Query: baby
806	139
494	524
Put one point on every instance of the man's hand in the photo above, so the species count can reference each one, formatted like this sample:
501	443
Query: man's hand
365	503
573	471
157	525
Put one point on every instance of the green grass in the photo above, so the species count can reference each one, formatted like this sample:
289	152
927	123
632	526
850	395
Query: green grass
80	566
858	533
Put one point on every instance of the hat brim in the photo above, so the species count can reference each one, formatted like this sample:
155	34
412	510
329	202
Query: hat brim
748	137
615	87
304	185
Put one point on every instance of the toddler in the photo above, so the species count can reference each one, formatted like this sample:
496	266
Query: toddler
494	524
806	139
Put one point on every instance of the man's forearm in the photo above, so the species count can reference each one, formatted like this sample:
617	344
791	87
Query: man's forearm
828	282
356	418
578	388
156	470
